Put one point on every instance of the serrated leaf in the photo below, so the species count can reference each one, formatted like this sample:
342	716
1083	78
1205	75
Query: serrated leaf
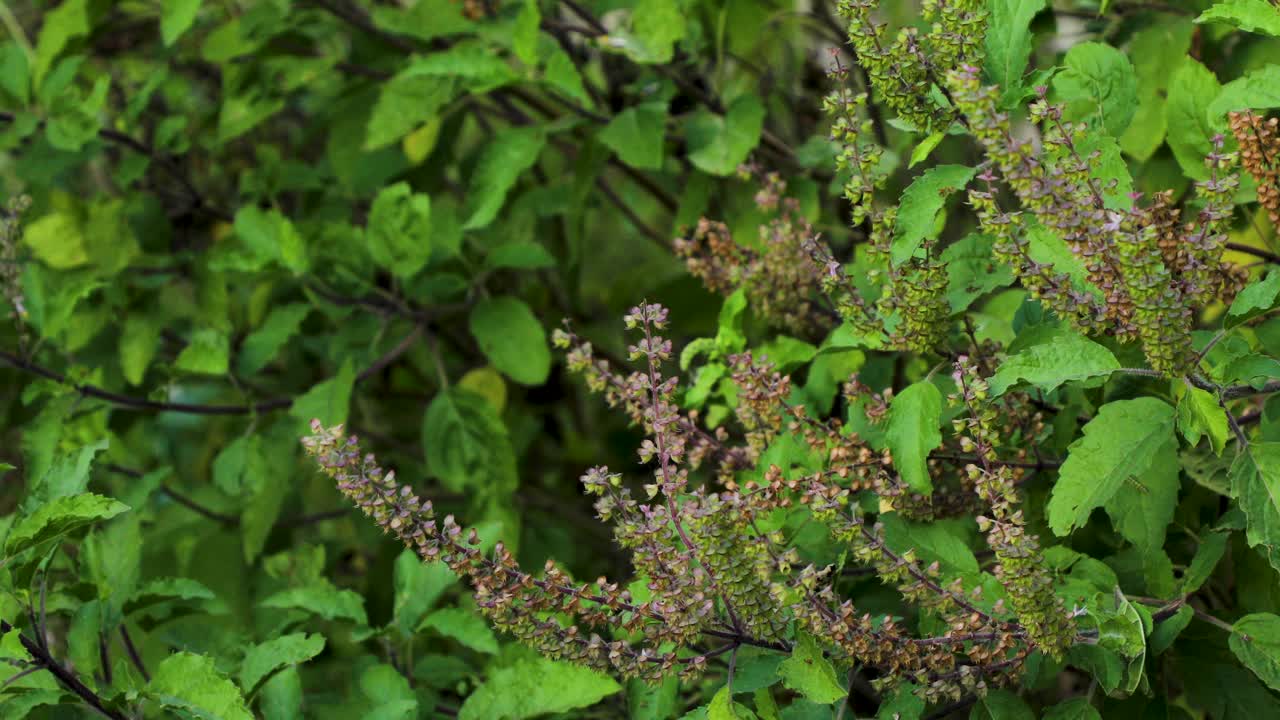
1255	483
637	135
1098	86
719	144
921	203
1121	443
1255	16
1065	357
208	353
513	340
1002	705
1144	508
467	444
59	517
405	102
529	688
57	240
1191	125
810	674
261	345
501	164
1200	415
914	417
168	590
656	26
1008	43
925	148
271	236
1258	89
468	629
1255	639
1255	299
1210	549
265	659
192	683
322	599
328	400
399	230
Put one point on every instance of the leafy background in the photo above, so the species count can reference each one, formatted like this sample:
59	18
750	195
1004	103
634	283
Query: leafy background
247	214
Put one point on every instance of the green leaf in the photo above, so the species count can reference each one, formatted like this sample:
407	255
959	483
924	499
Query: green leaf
271	237
1074	709
647	701
405	102
657	25
1257	90
513	340
719	144
925	148
914	417
523	255
1144	509
524	41
1048	248
57	240
192	683
921	203
533	687
392	697
466	443
399	230
1191	124
1255	639
1255	16
1210	549
75	119
1001	705
59	26
59	517
1009	43
637	135
208	353
322	599
1098	86
1255	299
501	163
1199	415
1255	483
162	591
1065	357
786	353
139	340
261	345
265	659
810	674
722	707
931	542
468	629
328	400
1121	443
902	704
972	271
176	17
418	585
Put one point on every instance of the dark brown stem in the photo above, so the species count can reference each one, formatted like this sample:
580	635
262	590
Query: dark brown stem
64	676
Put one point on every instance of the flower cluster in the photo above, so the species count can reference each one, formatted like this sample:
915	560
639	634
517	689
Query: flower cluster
779	281
1142	272
718	571
903	70
1259	152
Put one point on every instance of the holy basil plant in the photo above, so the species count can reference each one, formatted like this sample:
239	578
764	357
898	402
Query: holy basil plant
647	359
